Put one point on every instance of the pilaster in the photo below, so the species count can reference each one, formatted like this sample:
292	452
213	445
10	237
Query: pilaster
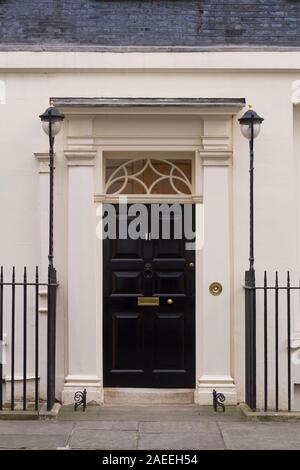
215	362
83	337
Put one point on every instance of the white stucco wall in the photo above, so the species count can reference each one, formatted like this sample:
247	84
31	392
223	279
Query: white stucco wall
264	79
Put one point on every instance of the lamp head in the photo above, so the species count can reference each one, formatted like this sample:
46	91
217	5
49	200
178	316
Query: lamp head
52	115
250	117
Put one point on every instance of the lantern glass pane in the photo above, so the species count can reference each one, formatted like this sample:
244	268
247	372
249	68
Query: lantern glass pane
56	126
246	130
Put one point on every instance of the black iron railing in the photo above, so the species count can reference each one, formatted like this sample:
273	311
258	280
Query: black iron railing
19	306
272	304
51	336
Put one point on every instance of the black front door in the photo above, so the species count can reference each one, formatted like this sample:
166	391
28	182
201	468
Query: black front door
150	345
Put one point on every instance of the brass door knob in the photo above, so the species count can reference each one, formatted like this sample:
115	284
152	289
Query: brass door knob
191	264
215	288
170	301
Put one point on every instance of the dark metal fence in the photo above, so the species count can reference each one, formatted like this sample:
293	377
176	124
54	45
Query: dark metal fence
272	305
19	309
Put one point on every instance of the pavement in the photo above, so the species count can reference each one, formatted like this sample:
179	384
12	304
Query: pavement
160	427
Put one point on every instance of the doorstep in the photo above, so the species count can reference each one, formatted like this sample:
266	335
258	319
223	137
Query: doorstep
283	416
148	396
149	413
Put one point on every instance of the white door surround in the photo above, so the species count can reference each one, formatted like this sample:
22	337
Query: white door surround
201	127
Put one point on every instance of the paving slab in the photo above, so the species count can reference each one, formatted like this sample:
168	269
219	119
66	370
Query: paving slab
107	440
149	413
147	427
108	425
178	427
35	427
34	442
261	436
181	441
128	413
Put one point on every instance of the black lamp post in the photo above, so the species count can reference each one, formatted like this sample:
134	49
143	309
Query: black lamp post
250	126
51	123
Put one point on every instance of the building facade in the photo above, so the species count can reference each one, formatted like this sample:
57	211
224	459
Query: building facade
160	85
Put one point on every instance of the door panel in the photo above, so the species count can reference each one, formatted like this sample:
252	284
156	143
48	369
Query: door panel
125	282
128	333
168	249
169	340
169	283
121	249
149	346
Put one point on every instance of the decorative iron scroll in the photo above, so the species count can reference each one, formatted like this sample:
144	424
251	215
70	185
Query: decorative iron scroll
80	399
173	175
218	401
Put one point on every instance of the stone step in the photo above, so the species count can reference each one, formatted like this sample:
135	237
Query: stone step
147	396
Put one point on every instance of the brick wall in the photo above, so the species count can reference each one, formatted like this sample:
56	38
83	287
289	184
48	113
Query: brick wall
150	22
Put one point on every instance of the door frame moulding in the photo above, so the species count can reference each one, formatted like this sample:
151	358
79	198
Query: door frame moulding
222	105
148	255
212	150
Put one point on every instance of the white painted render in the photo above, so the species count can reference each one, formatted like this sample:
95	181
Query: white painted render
265	79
